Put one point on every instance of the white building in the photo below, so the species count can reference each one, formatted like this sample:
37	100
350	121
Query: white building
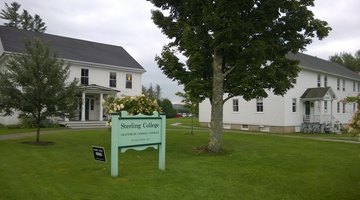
311	105
102	69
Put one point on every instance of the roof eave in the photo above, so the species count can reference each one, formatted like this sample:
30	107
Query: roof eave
327	72
106	66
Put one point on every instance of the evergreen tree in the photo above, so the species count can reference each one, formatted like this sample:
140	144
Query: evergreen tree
10	14
151	92
21	21
234	48
35	83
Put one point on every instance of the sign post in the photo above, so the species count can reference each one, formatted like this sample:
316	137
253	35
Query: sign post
136	132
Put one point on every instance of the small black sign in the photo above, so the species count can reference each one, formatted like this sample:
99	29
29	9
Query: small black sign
99	153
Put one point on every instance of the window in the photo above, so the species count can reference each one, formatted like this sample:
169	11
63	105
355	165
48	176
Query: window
112	80
85	76
358	86
293	105
343	84
325	106
244	127
338	107
259	105
226	126
354	86
338	84
344	107
128	81
325	81
319	80
235	105
264	128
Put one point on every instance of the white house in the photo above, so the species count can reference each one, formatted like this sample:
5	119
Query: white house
313	104
101	69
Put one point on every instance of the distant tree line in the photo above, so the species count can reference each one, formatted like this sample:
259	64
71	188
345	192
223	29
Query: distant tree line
348	60
165	103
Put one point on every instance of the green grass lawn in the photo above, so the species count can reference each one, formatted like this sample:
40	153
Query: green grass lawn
253	167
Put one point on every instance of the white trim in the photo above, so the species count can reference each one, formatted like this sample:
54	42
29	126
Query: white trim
104	66
92	64
101	118
83	106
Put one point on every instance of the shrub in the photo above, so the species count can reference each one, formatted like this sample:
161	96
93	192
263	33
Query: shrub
132	104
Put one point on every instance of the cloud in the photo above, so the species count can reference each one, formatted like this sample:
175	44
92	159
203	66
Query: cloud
128	24
344	19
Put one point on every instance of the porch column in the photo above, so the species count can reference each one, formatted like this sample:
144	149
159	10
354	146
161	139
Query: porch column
83	106
331	114
101	113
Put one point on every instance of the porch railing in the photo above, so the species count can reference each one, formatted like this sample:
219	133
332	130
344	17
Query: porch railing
322	123
318	118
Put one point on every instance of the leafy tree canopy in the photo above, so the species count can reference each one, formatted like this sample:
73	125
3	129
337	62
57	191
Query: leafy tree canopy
191	104
354	124
35	83
22	20
234	48
251	38
348	60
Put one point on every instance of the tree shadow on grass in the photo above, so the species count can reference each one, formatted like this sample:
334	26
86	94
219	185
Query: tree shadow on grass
204	150
40	143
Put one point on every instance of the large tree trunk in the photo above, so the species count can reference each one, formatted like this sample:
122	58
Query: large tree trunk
216	105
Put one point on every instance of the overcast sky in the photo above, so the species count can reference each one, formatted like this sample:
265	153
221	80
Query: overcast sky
127	23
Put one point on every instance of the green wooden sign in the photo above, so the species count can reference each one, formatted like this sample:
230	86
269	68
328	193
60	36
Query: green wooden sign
136	132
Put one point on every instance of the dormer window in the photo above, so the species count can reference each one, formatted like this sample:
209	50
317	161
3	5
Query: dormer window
84	76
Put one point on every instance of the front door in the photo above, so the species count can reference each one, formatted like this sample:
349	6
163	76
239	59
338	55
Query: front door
307	111
307	108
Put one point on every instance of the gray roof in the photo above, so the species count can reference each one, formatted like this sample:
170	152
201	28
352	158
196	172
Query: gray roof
96	88
323	66
317	93
69	48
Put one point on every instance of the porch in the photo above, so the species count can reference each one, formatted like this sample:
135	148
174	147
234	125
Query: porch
318	110
90	107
